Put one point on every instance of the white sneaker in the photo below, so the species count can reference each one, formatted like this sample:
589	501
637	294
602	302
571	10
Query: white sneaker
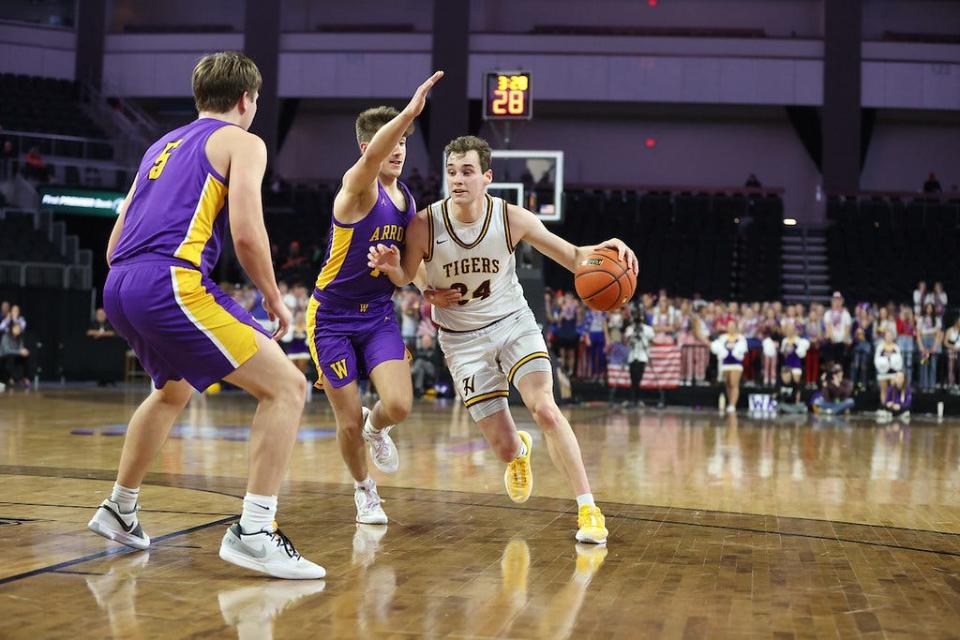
368	501
123	527
382	449
268	552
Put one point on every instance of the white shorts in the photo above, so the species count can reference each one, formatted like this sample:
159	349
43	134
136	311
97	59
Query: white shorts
730	367
485	362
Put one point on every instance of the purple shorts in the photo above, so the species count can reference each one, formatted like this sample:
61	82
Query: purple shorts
347	344
178	322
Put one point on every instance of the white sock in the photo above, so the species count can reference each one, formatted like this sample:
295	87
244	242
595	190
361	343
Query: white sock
585	499
522	451
259	512
366	485
126	498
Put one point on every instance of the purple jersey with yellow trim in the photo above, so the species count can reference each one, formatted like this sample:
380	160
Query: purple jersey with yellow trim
345	276
179	204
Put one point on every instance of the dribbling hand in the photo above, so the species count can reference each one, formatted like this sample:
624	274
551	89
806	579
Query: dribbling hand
419	98
626	253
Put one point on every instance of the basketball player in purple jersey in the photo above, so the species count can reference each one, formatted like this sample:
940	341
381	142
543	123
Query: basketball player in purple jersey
351	328
186	332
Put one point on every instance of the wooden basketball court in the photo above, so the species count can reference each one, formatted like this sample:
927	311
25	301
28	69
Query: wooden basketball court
720	527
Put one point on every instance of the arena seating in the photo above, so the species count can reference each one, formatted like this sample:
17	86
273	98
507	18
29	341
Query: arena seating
20	241
880	245
43	105
36	251
719	243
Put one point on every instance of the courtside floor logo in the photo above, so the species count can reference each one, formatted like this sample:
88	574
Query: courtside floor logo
186	431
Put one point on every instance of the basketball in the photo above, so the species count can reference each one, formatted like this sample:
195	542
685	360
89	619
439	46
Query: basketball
603	281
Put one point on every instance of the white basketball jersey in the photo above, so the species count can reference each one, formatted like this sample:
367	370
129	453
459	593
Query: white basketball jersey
478	260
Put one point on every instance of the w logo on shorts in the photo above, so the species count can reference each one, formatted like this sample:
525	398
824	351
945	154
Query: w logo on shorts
340	368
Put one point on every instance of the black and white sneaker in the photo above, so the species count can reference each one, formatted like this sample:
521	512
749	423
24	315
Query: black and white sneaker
123	527
269	552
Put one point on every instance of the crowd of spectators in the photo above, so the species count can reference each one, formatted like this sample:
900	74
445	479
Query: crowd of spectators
15	366
872	341
878	344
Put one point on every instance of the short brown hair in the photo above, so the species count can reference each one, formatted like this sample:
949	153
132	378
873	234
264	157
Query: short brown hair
220	79
370	121
463	144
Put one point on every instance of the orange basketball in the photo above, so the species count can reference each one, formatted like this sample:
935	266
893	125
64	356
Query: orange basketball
603	281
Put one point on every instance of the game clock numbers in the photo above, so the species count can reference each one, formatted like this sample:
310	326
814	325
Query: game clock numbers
507	95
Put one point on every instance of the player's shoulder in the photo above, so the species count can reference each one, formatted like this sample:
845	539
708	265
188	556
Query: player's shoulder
238	139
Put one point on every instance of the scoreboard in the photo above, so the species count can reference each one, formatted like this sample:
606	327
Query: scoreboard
507	95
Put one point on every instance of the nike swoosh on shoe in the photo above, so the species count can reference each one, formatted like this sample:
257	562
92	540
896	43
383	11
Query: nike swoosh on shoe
126	527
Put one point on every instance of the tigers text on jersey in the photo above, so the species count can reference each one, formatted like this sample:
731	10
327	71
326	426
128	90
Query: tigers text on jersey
477	259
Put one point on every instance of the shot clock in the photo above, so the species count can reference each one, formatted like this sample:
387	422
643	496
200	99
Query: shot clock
507	95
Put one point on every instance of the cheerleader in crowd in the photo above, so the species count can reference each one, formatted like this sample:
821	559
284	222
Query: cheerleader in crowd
730	349
887	361
794	349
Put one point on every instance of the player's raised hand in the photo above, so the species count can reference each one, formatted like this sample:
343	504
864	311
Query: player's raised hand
626	253
419	98
384	258
279	312
442	297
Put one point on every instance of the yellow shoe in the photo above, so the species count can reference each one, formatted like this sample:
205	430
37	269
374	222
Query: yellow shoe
592	527
518	477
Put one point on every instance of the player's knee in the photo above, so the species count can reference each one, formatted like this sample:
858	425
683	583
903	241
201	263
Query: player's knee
289	388
547	414
175	395
396	408
351	426
298	387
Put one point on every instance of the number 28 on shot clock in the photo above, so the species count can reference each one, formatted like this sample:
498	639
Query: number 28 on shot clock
507	95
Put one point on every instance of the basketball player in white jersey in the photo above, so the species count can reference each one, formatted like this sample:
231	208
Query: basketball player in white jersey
489	336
